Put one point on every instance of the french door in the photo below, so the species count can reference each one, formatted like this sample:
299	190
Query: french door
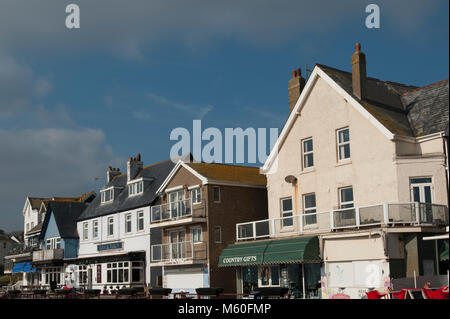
422	192
177	244
176	203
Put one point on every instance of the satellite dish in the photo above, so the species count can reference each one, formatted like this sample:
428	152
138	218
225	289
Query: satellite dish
291	179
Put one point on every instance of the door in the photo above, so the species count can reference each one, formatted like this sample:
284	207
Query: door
176	203
185	280
177	244
90	278
422	192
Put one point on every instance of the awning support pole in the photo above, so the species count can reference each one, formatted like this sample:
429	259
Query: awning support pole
437	257
303	279
415	280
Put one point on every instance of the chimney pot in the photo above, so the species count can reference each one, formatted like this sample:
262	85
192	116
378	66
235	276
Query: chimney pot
359	75
296	85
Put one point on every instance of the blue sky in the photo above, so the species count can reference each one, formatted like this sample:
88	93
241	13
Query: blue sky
73	102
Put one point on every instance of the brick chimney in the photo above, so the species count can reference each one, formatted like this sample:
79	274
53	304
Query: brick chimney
359	74
134	165
296	85
111	173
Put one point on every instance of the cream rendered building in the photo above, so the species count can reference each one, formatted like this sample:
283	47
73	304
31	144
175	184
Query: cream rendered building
361	164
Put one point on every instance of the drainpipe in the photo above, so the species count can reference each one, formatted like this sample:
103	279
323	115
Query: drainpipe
445	145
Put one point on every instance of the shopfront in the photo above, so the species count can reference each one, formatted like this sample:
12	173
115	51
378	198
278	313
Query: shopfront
292	263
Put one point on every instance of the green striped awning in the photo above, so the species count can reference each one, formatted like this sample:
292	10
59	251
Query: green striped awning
293	250
282	251
443	249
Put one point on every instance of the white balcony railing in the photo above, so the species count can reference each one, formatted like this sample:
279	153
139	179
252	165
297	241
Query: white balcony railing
177	210
420	214
178	252
49	254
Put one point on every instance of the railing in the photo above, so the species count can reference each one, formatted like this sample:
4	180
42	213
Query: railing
49	254
422	214
19	249
177	210
178	252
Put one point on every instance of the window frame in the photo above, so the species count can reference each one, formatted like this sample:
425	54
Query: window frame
343	144
270	281
110	222
103	195
307	209
95	229
135	188
116	269
128	222
199	235
291	212
306	153
341	203
140	216
196	191
86	231
218	192
219	228
52	243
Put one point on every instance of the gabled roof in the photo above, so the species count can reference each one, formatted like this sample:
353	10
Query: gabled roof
394	108
35	202
65	215
220	174
153	176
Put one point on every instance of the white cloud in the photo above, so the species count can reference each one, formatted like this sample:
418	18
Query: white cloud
195	111
49	162
19	86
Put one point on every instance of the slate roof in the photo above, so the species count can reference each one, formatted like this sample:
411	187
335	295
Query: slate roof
36	229
156	174
428	108
230	173
402	109
65	214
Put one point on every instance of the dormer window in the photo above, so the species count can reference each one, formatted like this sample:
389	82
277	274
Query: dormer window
136	188
107	195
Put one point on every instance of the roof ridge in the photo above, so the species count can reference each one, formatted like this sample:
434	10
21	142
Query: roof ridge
225	164
425	87
369	77
158	163
145	167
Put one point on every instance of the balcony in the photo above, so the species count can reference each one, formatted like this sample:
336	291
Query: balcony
48	255
20	251
387	214
179	212
179	253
